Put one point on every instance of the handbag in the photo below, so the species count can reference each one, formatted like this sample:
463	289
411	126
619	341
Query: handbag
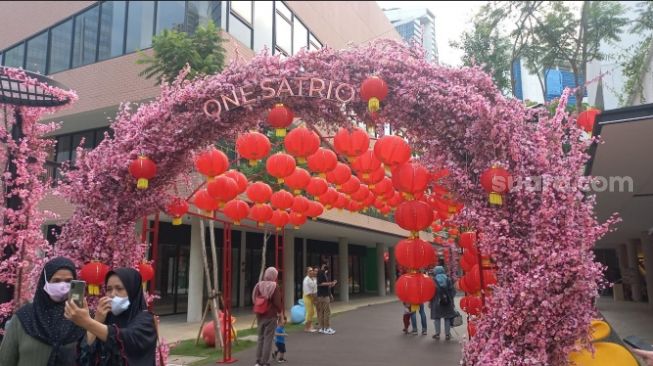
457	320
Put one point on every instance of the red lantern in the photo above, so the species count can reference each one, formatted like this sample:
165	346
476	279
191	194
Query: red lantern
372	178
466	264
315	209
351	144
236	210
378	204
414	216
395	200
351	186
473	279
382	187
369	201
280	117
253	146
279	219
385	210
489	278
361	194
471	328
239	178
410	178
177	208
280	166
341	202
143	169
453	232
260	213
259	192
94	273
496	181
297	219
147	272
317	187
467	239
322	162
374	90
472	305
223	189
366	163
587	118
392	150
415	254
205	202
281	200
415	288
329	198
298	180
300	204
339	175
301	143
353	206
211	163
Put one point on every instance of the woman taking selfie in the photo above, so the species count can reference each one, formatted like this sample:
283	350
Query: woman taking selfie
38	334
123	331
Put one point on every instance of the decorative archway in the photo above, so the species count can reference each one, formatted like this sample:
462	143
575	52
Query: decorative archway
541	240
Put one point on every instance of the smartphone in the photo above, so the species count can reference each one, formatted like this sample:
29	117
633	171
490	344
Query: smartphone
638	343
77	292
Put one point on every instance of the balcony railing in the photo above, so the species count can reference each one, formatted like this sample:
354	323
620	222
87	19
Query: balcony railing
51	172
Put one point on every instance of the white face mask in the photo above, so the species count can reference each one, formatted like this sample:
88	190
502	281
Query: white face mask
119	305
58	292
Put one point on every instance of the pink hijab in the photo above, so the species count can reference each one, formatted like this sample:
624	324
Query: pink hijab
268	285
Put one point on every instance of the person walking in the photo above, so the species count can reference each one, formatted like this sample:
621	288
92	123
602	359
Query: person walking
39	334
422	317
309	292
268	306
442	304
324	300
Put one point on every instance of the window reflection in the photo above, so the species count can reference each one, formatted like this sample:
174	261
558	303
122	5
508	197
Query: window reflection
15	56
140	25
283	34
112	29
61	39
243	9
200	12
36	53
170	15
86	33
240	31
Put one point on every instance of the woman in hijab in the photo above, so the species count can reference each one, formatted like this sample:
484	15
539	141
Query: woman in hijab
442	305
38	334
123	331
268	305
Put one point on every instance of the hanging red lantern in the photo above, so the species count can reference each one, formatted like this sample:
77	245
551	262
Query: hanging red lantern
472	305
211	163
392	151
177	208
93	273
261	213
259	192
369	201
322	162
315	209
410	178
300	204
372	178
453	232
385	210
147	272
351	143
339	175
297	219
143	169
236	210
473	279
280	166
353	206
361	194
489	278
467	239
298	180
415	288
414	216
280	117
415	253
329	198
382	187
378	204
281	200
317	187
587	118
253	146
471	328
239	178
205	202
223	189
466	264
341	202
471	254
436	227
352	185
395	200
366	163
373	91
496	181
301	143
279	219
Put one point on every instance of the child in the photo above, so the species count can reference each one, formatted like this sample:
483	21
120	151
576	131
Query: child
407	313
280	341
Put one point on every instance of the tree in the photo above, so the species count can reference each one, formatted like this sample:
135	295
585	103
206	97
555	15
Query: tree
173	49
634	60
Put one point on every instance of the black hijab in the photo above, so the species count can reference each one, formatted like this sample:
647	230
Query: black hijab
43	319
131	280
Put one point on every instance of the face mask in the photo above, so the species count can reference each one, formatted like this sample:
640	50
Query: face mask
119	305
58	292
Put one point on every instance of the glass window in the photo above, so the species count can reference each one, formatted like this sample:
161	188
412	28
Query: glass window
263	26
313	43
15	56
243	9
140	25
240	31
283	9
99	135
112	29
85	41
200	12
60	47
63	148
300	36
37	48
283	34
170	15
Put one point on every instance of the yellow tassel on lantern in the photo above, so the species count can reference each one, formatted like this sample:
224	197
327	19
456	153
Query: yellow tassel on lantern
176	221
408	196
366	176
280	180
297	192
253	162
142	183
260	224
296	227
207	213
93	289
301	160
209	179
373	104
371	128
236	222
495	199
322	175
351	159
280	132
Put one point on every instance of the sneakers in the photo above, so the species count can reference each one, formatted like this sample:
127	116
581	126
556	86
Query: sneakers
436	336
282	360
328	331
423	331
448	337
414	332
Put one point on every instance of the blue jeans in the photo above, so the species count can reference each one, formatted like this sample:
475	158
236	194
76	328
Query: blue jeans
447	326
422	315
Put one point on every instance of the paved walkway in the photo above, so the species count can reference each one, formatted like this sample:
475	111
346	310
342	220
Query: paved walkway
628	318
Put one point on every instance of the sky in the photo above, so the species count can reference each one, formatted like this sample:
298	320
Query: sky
451	19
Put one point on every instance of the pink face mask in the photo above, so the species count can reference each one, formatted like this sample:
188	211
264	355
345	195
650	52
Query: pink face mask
58	291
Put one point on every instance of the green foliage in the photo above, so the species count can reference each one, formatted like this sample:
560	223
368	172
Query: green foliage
633	61
173	49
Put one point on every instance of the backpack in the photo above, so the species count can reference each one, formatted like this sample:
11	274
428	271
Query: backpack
261	305
445	300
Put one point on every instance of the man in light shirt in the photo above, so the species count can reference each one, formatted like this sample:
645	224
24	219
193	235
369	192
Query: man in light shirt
309	292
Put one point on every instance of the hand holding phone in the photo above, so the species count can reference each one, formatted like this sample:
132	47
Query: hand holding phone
77	292
638	343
